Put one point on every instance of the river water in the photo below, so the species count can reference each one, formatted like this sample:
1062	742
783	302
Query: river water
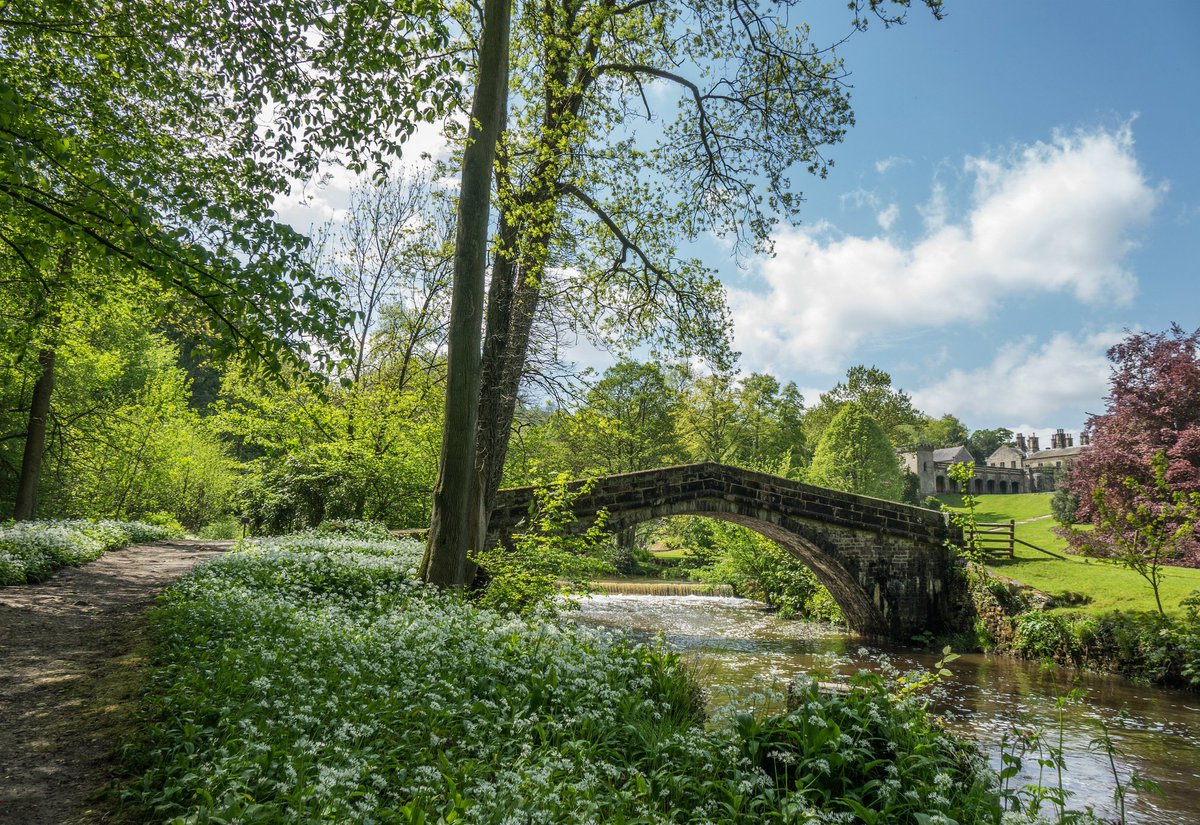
738	648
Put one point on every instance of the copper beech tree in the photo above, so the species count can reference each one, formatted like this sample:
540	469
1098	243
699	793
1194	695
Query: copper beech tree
1146	443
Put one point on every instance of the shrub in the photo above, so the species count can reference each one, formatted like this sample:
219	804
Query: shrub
548	558
1187	637
868	754
225	528
355	529
30	551
1043	636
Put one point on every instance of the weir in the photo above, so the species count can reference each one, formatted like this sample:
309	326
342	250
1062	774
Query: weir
889	566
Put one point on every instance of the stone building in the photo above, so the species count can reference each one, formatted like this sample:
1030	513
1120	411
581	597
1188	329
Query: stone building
1022	468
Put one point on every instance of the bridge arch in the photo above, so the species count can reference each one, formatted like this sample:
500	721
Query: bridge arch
886	564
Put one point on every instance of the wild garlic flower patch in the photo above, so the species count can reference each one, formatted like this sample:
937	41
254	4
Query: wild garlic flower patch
311	679
30	551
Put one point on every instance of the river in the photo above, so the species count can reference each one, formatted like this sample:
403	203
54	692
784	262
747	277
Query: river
737	648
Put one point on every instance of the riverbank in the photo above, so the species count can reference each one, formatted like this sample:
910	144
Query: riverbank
312	680
739	649
1146	647
1086	614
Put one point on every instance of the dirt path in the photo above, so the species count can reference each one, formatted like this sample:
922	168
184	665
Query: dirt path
72	658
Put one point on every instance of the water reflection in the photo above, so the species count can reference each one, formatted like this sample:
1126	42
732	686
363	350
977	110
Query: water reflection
736	645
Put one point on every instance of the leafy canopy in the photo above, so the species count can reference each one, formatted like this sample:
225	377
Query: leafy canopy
855	456
157	138
1153	407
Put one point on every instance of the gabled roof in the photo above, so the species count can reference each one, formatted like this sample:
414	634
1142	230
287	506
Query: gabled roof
1007	452
953	455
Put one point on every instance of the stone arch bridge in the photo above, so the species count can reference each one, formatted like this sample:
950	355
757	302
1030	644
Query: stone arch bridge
887	564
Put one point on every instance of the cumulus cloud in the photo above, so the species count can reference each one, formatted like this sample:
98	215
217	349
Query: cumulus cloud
1054	217
1028	381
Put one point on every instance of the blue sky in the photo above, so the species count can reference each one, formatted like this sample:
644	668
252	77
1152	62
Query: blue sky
1021	186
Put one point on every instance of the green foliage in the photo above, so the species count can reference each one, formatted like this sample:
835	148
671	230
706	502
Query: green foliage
31	551
139	137
854	455
1064	504
867	755
1145	526
310	680
627	423
755	422
1043	636
966	519
756	567
871	389
1188	638
222	529
548	558
983	443
123	440
367	451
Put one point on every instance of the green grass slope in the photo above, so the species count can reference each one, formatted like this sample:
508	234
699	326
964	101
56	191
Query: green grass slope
1109	586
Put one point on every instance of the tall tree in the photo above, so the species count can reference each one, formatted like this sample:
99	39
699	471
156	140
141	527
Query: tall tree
854	455
871	388
391	255
458	522
1153	406
772	416
594	193
983	443
158	140
627	422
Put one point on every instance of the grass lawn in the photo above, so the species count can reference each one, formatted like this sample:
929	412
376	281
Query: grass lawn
678	553
1110	587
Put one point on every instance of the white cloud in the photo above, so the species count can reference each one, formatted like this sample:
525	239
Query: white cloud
887	217
315	203
884	165
1053	217
1028	381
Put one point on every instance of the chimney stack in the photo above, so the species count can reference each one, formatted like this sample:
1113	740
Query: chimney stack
1084	439
1021	442
1033	443
1070	440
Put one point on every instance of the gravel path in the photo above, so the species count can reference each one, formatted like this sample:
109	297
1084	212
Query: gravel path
72	659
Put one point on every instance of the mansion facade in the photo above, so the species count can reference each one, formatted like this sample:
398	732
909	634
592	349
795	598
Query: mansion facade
1023	468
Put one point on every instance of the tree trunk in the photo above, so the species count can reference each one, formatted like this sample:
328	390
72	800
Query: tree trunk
512	305
454	497
35	438
518	270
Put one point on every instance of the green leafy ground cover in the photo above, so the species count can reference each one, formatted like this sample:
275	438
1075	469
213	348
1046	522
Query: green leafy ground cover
30	551
310	679
1108	586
